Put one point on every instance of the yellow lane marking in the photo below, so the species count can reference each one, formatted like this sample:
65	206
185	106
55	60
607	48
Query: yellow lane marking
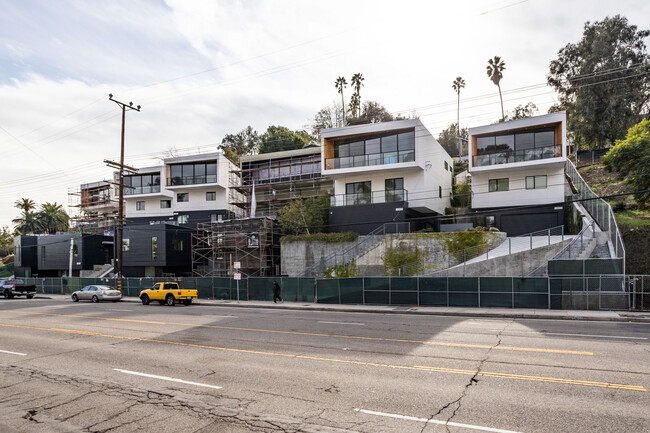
351	362
310	334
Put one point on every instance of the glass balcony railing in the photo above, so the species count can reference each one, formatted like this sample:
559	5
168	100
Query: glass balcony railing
134	190
191	180
510	156
369	160
388	196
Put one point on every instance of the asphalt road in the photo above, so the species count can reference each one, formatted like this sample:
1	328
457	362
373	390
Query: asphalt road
125	367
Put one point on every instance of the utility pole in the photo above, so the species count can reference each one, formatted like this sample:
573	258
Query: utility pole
121	167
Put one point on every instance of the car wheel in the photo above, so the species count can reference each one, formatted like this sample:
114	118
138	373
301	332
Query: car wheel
170	300
95	299
30	296
6	294
145	300
75	298
187	302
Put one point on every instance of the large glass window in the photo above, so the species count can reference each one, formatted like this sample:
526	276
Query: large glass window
406	141
192	174
358	193
375	149
154	247
389	144
536	182
394	189
516	147
210	196
499	184
165	204
142	184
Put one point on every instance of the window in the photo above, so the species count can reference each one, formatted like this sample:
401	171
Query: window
515	147
165	204
126	244
210	196
446	166
154	248
439	191
183	219
489	221
536	182
139	205
394	189
499	184
357	193
42	254
142	184
177	244
182	197
193	173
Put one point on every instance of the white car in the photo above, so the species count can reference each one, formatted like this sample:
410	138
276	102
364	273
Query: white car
96	294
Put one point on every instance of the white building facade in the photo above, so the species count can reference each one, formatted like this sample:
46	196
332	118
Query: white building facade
517	171
385	172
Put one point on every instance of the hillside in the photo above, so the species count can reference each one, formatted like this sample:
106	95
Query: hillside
633	223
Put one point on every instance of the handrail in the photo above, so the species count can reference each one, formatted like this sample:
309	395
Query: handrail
599	209
360	247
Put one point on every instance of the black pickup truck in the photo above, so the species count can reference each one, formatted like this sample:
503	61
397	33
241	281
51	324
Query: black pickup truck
11	288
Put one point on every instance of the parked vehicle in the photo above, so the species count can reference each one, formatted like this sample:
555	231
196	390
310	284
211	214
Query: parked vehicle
96	294
168	294
11	288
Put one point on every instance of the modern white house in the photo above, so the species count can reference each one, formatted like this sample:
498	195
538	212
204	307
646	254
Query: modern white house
383	172
184	190
517	170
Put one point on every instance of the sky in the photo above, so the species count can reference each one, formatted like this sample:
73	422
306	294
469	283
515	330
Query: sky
202	69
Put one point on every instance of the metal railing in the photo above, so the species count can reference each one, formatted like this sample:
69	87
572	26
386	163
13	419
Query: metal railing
370	160
191	180
599	209
510	156
510	245
133	190
362	245
374	197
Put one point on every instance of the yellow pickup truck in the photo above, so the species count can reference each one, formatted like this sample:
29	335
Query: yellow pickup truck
168	294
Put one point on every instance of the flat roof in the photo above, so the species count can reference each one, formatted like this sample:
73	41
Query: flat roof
311	150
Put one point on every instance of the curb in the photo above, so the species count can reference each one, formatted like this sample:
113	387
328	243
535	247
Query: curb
418	311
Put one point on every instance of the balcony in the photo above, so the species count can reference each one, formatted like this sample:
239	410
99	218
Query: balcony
370	160
135	190
512	156
191	180
374	197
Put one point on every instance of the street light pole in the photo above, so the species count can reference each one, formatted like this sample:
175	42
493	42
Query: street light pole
120	212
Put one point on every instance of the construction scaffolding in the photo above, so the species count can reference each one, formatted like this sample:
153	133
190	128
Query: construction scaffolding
250	242
93	207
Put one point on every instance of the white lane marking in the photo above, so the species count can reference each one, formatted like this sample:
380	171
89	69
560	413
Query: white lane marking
595	336
13	353
342	323
434	421
170	379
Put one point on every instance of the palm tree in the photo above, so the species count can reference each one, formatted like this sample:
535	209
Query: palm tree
357	83
25	204
53	218
494	69
27	223
340	84
458	84
354	104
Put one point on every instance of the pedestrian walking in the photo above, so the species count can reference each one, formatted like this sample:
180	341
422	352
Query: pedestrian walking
276	292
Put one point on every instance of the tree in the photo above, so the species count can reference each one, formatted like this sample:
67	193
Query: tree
449	139
25	204
327	117
374	112
52	218
340	84
354	105
305	215
27	223
603	81
458	84
278	138
631	158
495	69
521	112
245	142
6	241
357	83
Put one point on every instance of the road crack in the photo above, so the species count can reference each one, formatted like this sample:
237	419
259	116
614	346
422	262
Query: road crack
472	381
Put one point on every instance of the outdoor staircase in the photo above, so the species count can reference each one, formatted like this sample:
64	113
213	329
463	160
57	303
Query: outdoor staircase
99	271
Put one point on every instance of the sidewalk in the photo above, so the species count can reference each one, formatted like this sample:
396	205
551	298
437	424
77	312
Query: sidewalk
513	313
